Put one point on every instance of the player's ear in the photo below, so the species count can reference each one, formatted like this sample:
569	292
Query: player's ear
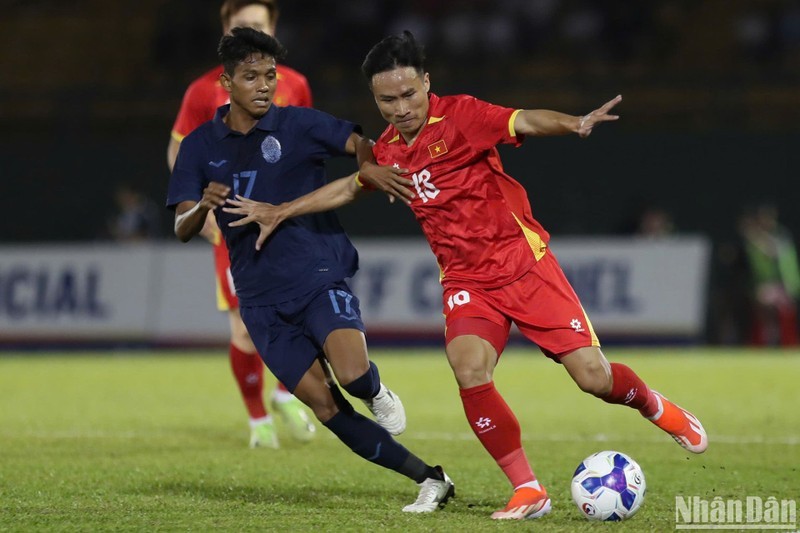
426	82
225	81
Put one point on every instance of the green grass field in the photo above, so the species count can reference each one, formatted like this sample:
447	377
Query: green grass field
158	441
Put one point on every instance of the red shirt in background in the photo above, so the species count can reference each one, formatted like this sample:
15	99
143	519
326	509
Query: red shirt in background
205	95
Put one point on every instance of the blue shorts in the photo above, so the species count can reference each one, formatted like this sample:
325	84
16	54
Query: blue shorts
289	335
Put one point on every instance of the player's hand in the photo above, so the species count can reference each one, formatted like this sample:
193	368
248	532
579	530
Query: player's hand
387	179
214	195
587	122
267	216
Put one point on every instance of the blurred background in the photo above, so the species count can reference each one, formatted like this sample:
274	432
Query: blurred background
703	150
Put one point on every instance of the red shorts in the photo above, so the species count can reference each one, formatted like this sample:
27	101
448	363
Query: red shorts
226	293
541	303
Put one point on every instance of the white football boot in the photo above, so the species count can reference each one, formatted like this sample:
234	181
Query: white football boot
433	494
388	410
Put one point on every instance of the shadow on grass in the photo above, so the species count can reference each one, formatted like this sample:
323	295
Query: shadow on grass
312	494
339	496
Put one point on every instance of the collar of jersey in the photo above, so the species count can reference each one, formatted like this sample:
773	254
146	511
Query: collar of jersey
268	122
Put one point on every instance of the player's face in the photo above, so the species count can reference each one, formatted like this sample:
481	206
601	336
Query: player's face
253	84
402	98
253	16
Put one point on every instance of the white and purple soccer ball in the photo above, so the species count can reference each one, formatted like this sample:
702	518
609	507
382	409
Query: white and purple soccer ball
608	485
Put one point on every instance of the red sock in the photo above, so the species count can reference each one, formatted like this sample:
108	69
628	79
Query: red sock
498	430
629	389
249	373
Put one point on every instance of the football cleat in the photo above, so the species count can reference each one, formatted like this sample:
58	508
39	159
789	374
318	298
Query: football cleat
433	494
294	416
264	436
526	502
682	425
388	410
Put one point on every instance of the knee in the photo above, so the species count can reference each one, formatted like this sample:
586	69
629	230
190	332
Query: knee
315	393
346	374
472	361
241	338
470	373
594	379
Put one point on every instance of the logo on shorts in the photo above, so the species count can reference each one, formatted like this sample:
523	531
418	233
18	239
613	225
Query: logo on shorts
271	149
576	325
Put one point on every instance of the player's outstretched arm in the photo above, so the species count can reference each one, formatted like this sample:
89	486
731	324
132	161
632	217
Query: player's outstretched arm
190	216
376	177
543	122
335	194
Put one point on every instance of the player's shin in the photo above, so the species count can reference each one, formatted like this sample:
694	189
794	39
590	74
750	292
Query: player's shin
497	428
629	389
249	373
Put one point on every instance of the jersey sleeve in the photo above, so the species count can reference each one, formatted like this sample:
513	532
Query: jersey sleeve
187	180
487	125
193	112
328	133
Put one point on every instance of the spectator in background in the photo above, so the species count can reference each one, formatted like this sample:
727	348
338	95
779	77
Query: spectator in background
137	216
648	220
655	223
775	277
729	304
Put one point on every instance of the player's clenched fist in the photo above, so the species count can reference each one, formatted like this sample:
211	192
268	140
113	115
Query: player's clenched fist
214	195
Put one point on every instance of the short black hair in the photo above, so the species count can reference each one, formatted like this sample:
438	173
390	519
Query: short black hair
244	42
392	52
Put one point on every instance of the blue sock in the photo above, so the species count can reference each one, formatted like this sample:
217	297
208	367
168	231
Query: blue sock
367	386
375	444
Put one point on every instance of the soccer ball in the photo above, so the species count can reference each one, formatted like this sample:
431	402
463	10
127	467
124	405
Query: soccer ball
608	486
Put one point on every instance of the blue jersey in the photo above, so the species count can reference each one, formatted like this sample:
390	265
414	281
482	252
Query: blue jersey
281	159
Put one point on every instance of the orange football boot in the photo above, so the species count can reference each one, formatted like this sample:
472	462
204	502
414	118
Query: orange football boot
682	425
525	503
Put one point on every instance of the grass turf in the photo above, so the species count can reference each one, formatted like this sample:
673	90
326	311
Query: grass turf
158	441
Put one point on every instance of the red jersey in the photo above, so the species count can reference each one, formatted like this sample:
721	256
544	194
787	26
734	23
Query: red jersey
205	95
477	218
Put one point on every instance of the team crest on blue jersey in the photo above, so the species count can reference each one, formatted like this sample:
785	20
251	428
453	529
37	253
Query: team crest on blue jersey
271	149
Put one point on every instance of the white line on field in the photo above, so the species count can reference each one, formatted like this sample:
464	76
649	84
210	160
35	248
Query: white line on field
600	437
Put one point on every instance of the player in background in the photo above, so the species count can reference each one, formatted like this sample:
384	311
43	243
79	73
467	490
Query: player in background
200	102
497	266
298	309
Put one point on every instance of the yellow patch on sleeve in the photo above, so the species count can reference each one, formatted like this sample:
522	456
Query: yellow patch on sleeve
511	131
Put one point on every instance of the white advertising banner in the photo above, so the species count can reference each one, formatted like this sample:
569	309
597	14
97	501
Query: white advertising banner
106	292
628	287
164	293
